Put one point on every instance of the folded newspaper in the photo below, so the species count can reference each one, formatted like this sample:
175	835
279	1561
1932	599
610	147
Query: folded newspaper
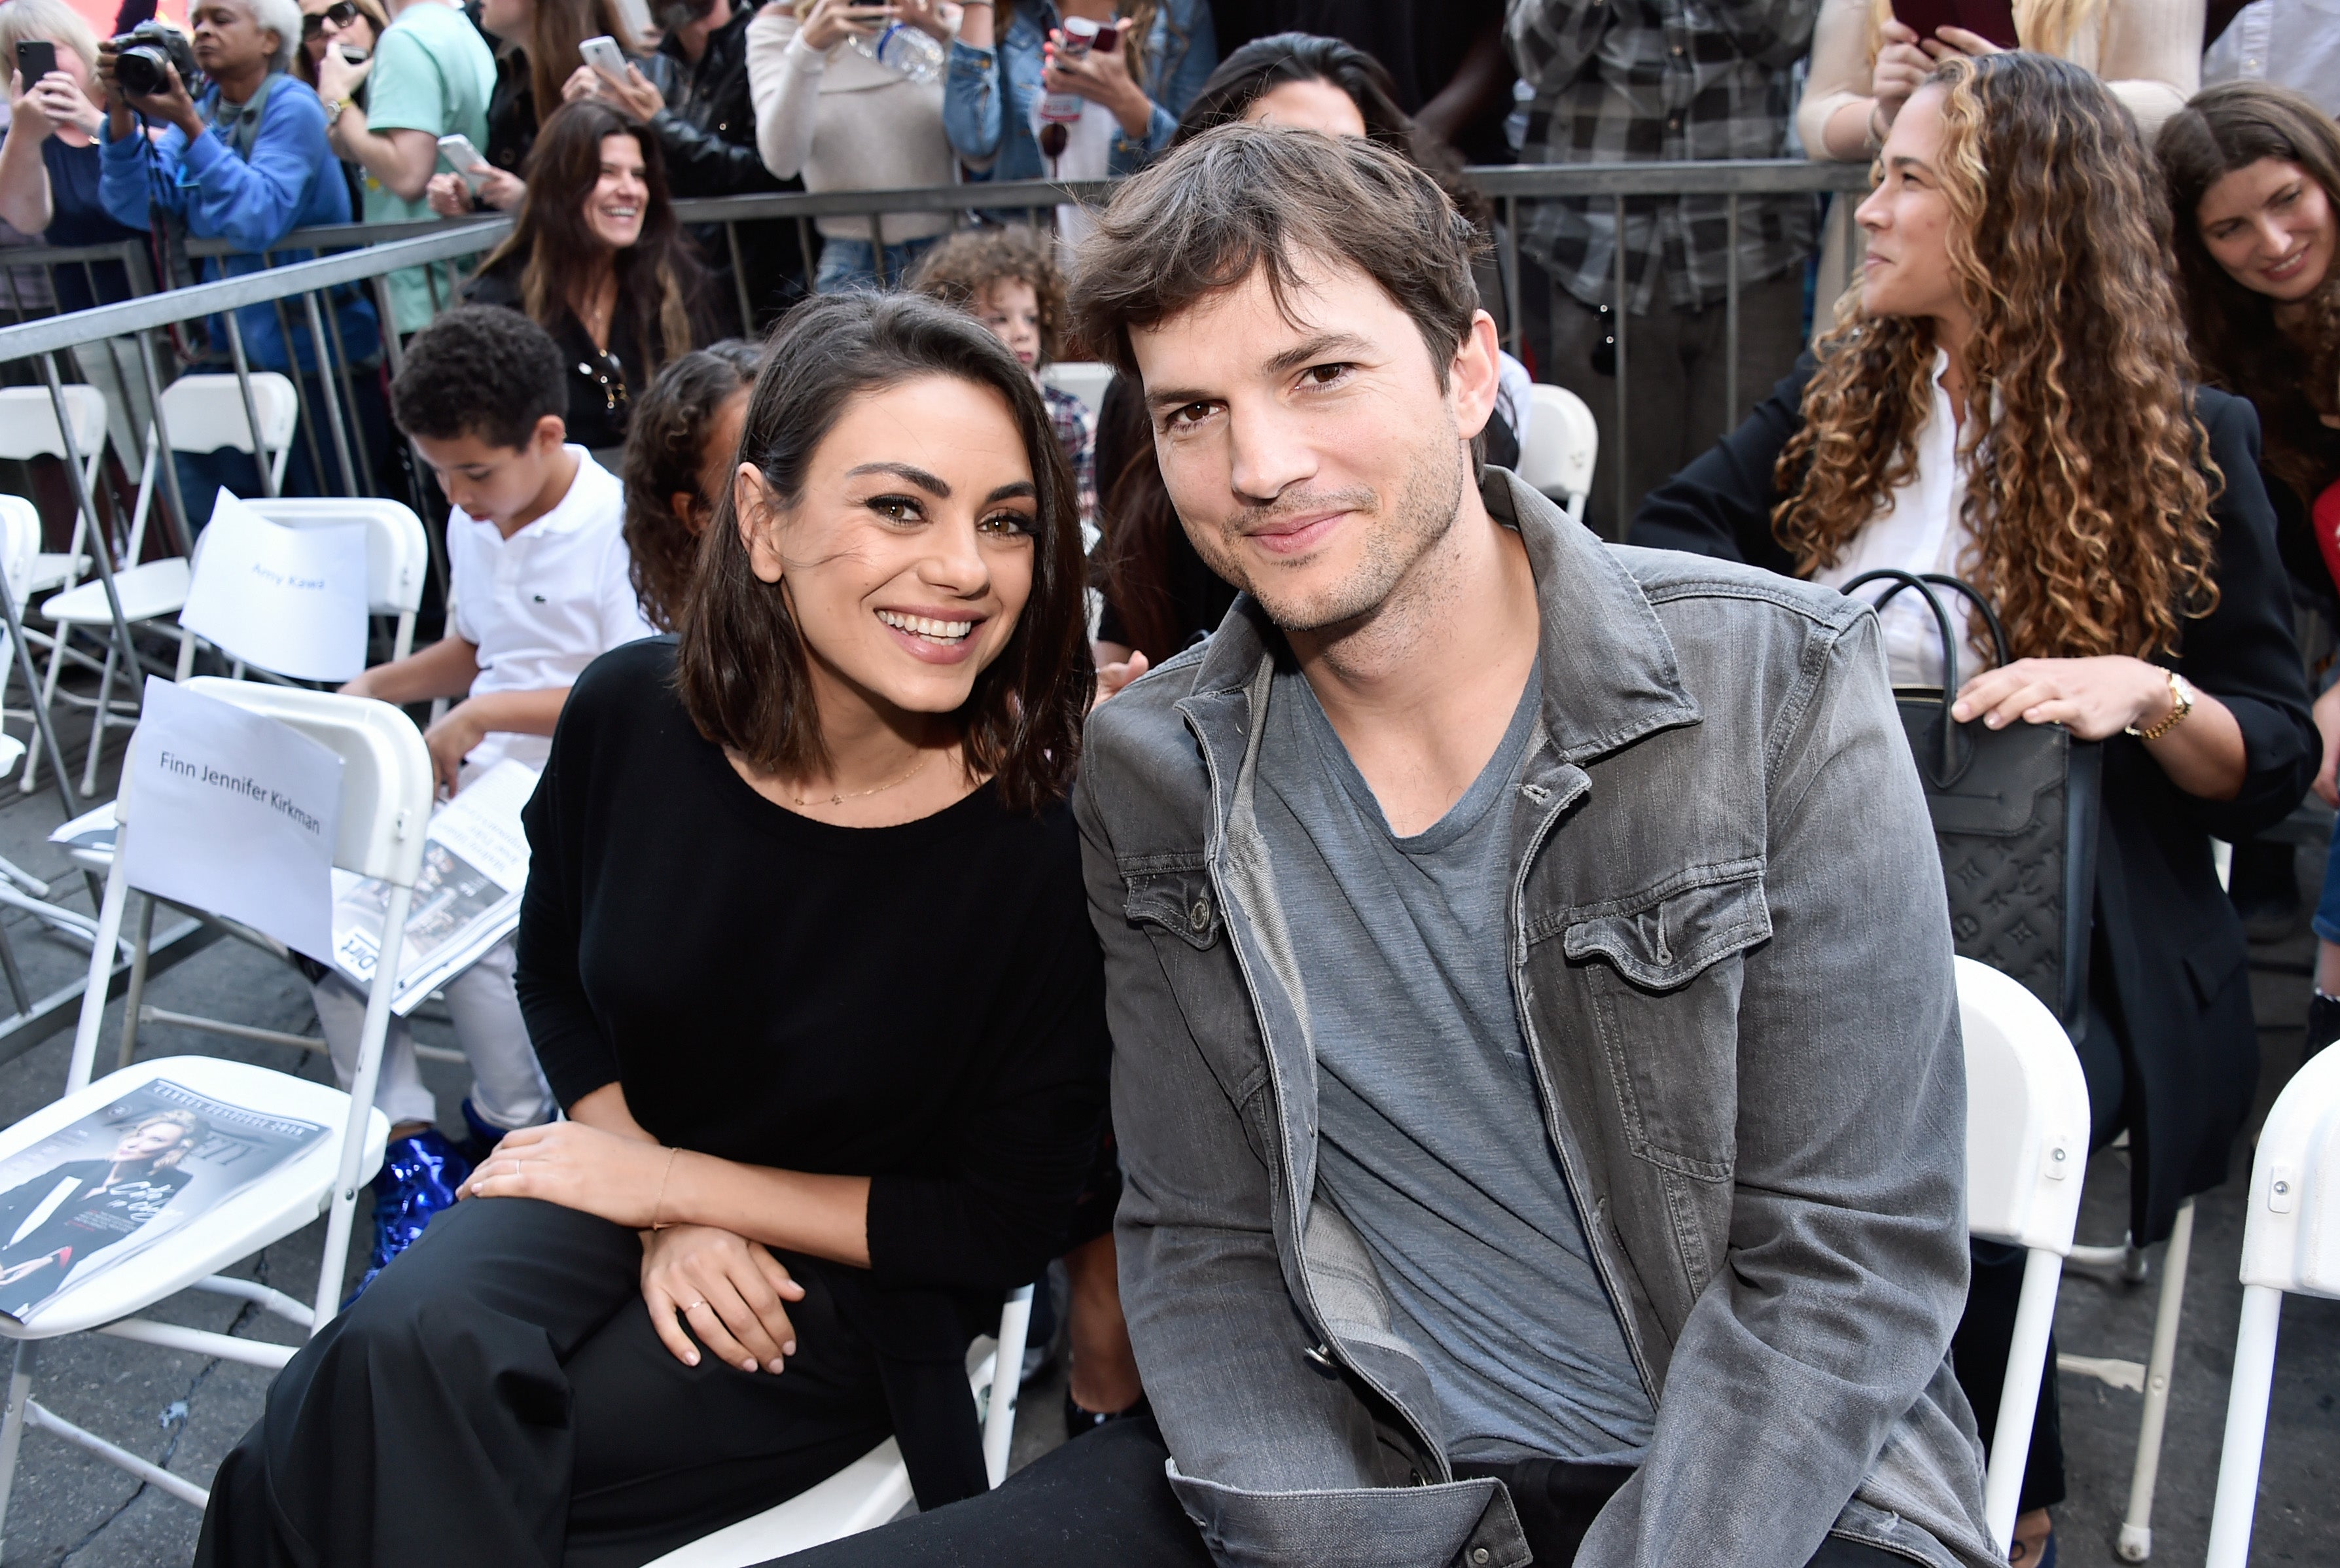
100	1190
467	899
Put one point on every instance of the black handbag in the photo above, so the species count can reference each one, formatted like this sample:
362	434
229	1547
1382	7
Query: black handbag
2015	818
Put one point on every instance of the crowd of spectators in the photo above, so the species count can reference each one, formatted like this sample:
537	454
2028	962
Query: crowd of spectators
2080	345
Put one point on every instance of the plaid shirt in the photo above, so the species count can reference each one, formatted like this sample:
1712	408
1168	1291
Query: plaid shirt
1630	81
1076	433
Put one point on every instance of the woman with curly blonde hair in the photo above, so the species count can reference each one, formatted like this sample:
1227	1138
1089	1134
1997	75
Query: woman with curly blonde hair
2007	398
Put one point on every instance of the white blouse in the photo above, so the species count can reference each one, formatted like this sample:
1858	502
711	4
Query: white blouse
1918	529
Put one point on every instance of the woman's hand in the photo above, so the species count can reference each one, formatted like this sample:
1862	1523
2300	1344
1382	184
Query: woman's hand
1112	677
1949	41
338	81
731	1291
2094	699
832	22
619	1179
2327	724
932	17
452	196
1102	77
1900	67
27	118
636	97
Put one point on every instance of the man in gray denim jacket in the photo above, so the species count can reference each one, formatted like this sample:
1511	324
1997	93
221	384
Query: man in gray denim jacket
1635	1221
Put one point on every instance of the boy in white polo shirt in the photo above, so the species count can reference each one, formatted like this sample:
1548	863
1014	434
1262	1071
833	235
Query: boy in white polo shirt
537	573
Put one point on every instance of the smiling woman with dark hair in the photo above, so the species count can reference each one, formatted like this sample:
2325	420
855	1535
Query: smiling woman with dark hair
806	956
598	260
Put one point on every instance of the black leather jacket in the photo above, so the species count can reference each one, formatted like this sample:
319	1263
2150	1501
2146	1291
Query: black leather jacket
708	129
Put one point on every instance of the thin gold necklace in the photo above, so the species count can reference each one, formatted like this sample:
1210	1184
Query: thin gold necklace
839	800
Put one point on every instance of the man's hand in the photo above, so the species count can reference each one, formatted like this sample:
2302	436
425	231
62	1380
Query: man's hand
451	739
338	80
732	1293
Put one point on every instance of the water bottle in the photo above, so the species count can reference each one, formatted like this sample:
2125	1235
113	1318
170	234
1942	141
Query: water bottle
904	48
1064	108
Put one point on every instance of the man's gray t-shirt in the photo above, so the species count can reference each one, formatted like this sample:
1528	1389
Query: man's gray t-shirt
1432	1140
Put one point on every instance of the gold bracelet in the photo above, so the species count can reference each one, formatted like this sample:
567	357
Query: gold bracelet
2181	707
659	1206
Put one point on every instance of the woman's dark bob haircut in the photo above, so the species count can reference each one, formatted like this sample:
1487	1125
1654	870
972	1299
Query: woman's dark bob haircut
742	664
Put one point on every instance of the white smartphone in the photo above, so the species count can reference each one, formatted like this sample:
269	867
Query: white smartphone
636	16
604	54
461	156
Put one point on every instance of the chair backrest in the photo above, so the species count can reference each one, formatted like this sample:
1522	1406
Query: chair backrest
20	544
386	777
2291	1232
28	422
1563	442
2027	1115
398	554
205	412
1085	379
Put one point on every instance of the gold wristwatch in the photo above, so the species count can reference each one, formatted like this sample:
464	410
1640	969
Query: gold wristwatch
2181	703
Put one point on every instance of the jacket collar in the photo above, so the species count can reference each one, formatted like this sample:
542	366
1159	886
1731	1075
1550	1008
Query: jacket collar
1610	676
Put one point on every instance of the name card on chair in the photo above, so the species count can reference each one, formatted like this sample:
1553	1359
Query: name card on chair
288	600
234	813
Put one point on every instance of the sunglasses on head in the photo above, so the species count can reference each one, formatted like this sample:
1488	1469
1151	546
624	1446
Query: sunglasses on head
340	15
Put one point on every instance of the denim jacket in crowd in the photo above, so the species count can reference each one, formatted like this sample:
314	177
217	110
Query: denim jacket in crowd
1732	964
290	180
991	128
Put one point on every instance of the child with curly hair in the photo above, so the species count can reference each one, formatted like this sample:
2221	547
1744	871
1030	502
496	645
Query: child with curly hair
1008	279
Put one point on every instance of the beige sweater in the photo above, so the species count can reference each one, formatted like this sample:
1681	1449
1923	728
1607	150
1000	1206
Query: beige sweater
2148	52
845	122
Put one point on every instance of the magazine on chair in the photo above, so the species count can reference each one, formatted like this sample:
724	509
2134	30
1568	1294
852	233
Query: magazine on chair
467	899
100	1190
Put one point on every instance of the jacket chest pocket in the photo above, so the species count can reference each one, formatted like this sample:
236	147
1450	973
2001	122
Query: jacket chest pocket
1170	897
1662	973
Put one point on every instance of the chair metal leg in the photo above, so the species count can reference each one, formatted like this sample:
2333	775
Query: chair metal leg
2137	1528
136	992
2246	1414
362	1090
47	701
12	1426
98	720
100	969
2018	1402
1006	1383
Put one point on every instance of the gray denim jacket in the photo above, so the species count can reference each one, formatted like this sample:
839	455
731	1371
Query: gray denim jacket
1732	957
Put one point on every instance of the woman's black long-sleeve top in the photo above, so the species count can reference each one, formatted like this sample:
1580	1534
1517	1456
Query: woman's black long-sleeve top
2170	958
923	1005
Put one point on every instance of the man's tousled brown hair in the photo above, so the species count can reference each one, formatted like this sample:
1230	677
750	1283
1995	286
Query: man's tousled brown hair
1244	198
2088	478
742	665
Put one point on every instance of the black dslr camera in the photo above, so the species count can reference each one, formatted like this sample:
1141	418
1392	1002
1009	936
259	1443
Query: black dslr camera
141	56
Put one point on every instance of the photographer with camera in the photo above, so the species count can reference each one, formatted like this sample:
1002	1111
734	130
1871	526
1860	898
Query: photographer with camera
240	155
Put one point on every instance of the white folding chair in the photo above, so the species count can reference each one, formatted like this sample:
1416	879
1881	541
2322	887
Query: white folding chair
1561	445
385	801
28	428
205	414
2027	1161
1085	379
2291	1242
871	1490
398	559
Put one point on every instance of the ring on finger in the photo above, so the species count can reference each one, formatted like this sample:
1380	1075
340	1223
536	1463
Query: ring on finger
694	1307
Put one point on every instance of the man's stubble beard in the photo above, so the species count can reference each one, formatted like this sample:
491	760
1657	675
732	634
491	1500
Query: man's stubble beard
1427	504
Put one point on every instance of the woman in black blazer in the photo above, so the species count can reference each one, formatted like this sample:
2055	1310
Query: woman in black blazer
2005	398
